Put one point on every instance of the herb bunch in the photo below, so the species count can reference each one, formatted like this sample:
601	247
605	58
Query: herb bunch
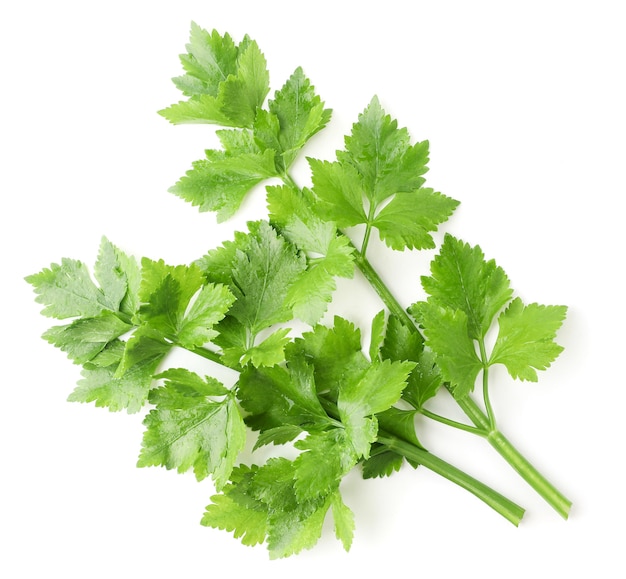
339	403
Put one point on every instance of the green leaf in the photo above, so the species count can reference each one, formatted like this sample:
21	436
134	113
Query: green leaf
269	352
119	277
247	524
168	310
525	341
407	220
344	520
190	430
383	156
68	291
220	182
326	458
101	383
376	391
339	192
186	385
328	255
246	520
447	335
85	338
260	267
291	532
401	343
379	164
104	314
145	345
278	435
274	397
379	388
400	423
260	504
244	93
424	381
461	279
311	293
378	335
209	307
381	463
210	59
300	114
261	276
335	354
167	315
226	83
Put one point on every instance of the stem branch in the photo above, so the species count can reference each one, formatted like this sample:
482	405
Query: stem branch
520	464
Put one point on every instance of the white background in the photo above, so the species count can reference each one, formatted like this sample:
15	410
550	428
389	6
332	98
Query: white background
523	104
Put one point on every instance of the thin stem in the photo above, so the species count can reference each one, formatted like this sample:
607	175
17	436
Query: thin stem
507	508
381	289
206	353
453	423
366	238
368	228
483	356
289	181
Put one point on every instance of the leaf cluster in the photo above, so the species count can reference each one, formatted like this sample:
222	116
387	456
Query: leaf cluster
338	404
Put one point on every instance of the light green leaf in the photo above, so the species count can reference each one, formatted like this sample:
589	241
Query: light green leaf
325	459
263	267
525	341
291	532
461	279
102	385
67	291
189	430
119	277
300	114
328	255
339	192
220	182
247	520
383	156
269	352
210	59
447	335
226	84
407	220
87	337
379	388
209	307
344	520
377	335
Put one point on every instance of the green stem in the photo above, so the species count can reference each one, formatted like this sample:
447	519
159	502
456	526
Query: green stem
206	353
368	228
520	464
288	180
507	508
381	288
490	414
453	423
